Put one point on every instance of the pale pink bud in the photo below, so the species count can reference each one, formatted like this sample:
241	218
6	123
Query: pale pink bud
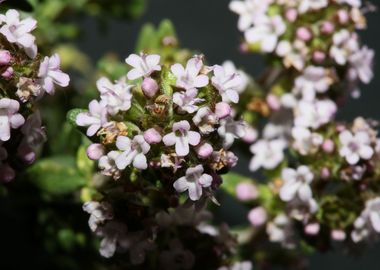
222	110
7	174
152	136
95	151
338	235
325	173
5	57
319	56
8	73
304	34
244	48
27	154
257	216
250	135
312	229
246	191
328	146
205	150
291	15
273	102
343	16
149	87
327	27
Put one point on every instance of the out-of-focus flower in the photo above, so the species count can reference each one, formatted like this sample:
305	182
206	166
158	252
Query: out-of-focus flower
355	146
296	184
267	154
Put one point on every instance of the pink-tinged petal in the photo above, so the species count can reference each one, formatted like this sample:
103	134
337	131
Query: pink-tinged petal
169	139
288	174
54	62
44	67
375	221
12	16
219	71
104	85
177	70
181	184
92	130
5	129
181	125
123	143
201	81
16	120
194	138
362	137
205	180
352	158
288	191
153	61
193	67
305	193
5	31
60	78
48	85
27	25
123	160
366	152
26	40
140	162
134	74
195	191
182	146
233	96
31	51
345	137
133	60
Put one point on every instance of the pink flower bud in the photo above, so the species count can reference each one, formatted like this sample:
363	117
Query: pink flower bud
319	56
257	216
244	48
149	87
95	151
5	57
273	102
204	151
152	136
250	135
26	154
328	146
327	27
325	173
338	235
8	73
312	229
246	191
304	34
291	15
222	110
343	16
7	174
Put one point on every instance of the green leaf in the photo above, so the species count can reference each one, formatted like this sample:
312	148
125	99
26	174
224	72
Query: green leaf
166	29
147	39
72	115
84	164
57	176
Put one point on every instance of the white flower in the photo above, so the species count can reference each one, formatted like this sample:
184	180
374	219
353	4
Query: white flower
249	11
187	100
314	114
50	73
9	117
355	146
344	45
305	141
307	5
368	222
205	120
143	65
99	213
194	182
133	152
181	137
296	184
117	97
313	80
230	130
361	63
227	83
266	32
18	32
189	78
230	68
108	166
294	55
280	231
267	154
94	119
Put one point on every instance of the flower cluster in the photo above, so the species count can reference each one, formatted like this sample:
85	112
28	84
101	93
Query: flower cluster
24	77
161	130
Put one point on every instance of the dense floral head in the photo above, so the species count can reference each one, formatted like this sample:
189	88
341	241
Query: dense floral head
24	77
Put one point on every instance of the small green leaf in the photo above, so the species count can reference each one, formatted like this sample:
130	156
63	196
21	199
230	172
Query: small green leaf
147	39
84	164
166	29
72	115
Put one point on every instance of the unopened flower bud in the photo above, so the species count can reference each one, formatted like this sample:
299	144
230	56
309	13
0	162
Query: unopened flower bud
250	135
312	229
205	150
5	57
291	14
304	34
8	73
338	235
319	56
246	191
26	154
7	174
273	102
257	216
325	173
95	151
222	110
152	136
328	146
343	16
149	87
327	27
